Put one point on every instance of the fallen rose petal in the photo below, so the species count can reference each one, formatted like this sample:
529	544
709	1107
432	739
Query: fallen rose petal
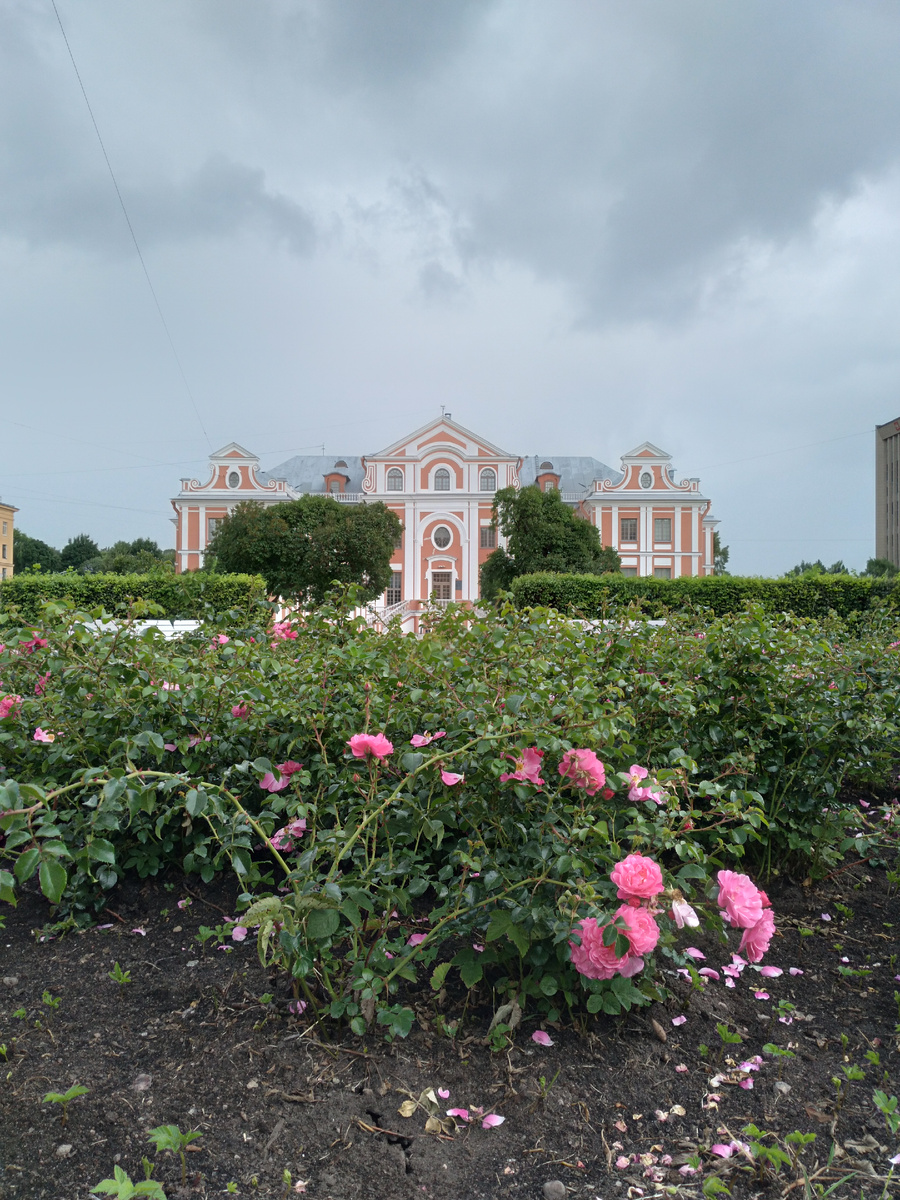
679	1020
826	916
798	971
444	1093
693	952
542	1039
463	1113
761	995
681	1069
709	973
238	933
491	1121
142	932
746	1084
722	1150
622	1162
416	939
771	972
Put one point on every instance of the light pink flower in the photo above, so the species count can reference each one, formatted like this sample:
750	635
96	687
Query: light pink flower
238	933
375	744
596	961
449	778
683	914
740	899
269	783
9	705
196	740
637	877
41	735
41	684
241	711
636	774
426	738
542	1038
584	770
756	940
170	687
640	929
221	640
528	767
283	839
282	632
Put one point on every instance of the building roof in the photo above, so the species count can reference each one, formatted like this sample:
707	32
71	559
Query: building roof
577	472
306	473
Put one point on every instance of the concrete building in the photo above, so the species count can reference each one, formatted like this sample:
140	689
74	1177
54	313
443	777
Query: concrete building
440	480
887	491
7	514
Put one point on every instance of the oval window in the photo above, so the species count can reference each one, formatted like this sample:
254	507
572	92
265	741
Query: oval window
441	537
646	480
234	479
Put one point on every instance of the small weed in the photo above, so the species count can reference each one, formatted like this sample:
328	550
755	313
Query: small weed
64	1099
122	1186
887	1106
170	1138
117	975
51	1001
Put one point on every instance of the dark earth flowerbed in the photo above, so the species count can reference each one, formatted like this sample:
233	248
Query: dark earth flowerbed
194	1040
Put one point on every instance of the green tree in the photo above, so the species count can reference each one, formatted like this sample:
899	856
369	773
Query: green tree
543	534
881	568
720	556
304	547
31	552
140	557
79	550
818	568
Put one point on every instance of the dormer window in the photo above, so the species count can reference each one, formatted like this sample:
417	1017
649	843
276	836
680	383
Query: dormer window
334	487
546	466
340	463
441	480
395	480
646	480
488	480
234	479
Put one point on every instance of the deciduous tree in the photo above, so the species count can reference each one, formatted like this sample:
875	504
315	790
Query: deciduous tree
304	547
543	534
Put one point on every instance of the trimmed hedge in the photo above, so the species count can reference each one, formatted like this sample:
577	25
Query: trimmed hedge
184	596
805	596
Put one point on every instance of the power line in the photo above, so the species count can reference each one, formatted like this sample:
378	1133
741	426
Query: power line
785	450
137	247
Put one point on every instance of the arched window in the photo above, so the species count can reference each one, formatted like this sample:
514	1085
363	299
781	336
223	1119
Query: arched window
488	482
395	480
546	466
442	480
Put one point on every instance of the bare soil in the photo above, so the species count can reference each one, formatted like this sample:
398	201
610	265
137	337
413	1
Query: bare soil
189	1042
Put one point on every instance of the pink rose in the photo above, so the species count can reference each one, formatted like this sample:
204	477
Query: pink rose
426	738
269	783
9	705
638	877
283	839
528	767
740	899
584	770
640	929
596	961
41	735
377	745
756	939
241	711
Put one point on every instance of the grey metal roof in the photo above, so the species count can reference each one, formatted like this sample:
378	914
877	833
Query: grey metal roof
577	473
306	473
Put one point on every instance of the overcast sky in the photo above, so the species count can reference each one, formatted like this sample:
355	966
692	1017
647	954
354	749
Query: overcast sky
579	225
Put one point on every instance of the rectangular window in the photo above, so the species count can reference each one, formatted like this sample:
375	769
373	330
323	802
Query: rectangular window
629	571
440	585
628	529
662	529
394	592
4	529
212	525
4	549
488	537
662	572
4	572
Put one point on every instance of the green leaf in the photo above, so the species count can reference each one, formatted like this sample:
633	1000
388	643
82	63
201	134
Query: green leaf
412	761
322	923
53	879
471	973
7	888
26	864
102	851
549	985
438	975
196	804
513	703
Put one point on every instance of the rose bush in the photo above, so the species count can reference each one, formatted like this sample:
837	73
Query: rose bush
401	849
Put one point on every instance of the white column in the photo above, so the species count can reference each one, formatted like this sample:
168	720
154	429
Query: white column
615	527
695	539
676	545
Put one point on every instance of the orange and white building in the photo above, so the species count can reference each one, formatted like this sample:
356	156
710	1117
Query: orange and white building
440	481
